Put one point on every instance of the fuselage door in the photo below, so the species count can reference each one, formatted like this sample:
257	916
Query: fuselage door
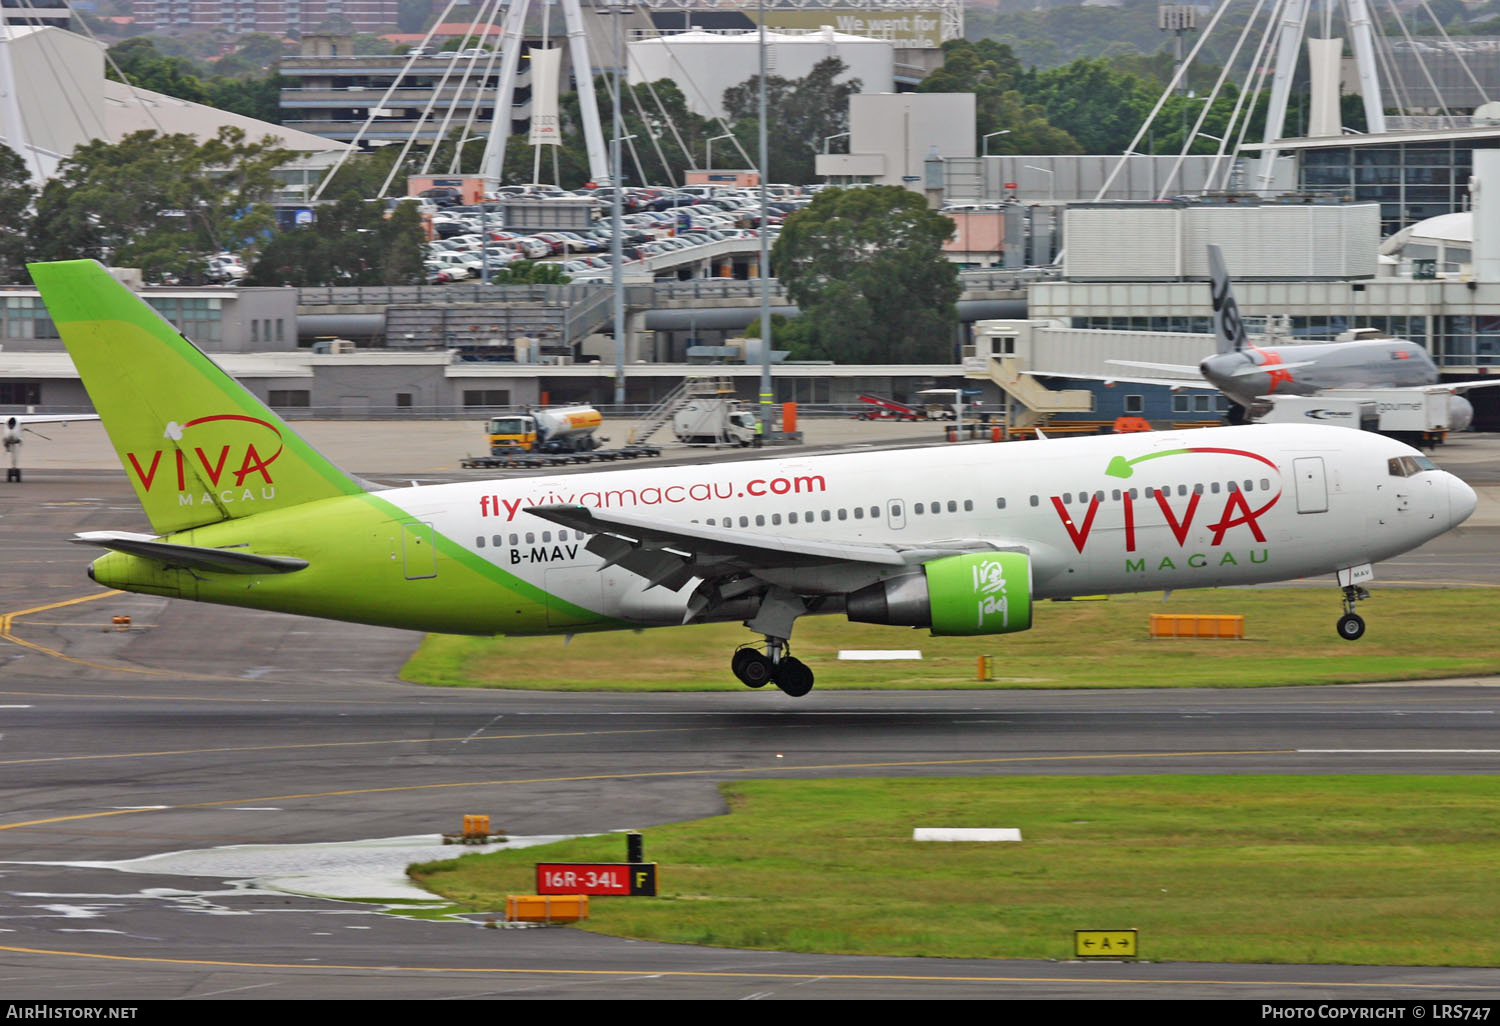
895	513
1312	484
418	550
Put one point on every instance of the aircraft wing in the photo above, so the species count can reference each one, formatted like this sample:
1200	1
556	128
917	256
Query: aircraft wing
1170	368
1464	386
670	553
1124	379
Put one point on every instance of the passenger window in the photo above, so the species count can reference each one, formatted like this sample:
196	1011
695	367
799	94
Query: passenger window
827	516
859	512
760	520
775	519
1131	493
530	538
1067	498
1249	486
874	512
791	518
1182	489
1000	502
1035	501
1213	486
952	506
1197	489
843	514
968	505
546	536
1115	495
896	510
1265	484
479	542
744	521
1099	496
515	539
497	541
918	508
1233	486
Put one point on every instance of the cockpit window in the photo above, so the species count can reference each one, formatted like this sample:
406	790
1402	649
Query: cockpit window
1406	466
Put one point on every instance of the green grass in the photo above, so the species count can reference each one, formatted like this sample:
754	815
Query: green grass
1414	633
1388	870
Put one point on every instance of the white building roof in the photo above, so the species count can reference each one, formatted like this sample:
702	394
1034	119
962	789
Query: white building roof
128	110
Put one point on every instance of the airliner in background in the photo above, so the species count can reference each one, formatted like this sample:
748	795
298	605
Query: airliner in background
1252	376
959	539
18	425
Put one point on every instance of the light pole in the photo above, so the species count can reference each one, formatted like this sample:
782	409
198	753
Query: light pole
830	138
617	10
708	160
766	396
1051	181
985	142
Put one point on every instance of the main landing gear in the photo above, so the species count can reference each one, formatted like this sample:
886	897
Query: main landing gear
1352	626
775	666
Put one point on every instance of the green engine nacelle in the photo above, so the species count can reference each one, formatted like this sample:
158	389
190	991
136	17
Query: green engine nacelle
977	593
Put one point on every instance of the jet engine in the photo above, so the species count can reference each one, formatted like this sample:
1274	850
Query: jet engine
1460	413
976	593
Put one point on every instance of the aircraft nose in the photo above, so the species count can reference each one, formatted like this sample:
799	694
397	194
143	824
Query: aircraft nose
1461	501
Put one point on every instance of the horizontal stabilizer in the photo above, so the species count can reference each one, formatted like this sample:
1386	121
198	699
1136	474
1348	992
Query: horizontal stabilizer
1263	368
191	557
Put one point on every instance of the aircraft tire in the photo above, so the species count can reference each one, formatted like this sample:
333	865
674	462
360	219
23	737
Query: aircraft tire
793	677
1351	627
753	669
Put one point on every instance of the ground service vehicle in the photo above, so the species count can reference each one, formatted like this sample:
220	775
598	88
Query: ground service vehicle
713	422
556	429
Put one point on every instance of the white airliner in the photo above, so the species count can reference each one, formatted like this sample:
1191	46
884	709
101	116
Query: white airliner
1252	376
960	539
17	425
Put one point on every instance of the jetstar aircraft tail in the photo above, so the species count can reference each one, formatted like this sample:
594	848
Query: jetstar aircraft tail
197	446
1229	329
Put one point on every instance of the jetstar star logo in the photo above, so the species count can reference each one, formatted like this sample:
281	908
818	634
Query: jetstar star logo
1179	520
1269	363
244	460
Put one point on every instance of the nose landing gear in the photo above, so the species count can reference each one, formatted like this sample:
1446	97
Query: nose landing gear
755	669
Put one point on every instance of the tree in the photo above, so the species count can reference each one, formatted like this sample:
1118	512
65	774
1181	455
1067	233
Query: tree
146	67
990	71
16	194
352	242
1098	106
867	269
800	115
160	203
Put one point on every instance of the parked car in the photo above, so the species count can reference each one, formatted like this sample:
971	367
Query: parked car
442	196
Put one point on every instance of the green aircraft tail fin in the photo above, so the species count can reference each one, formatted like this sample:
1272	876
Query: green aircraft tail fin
198	447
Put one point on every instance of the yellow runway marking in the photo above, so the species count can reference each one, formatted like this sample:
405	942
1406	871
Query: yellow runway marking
728	975
653	774
7	620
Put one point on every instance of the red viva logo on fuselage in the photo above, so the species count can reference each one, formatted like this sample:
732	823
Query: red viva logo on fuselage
189	466
1237	510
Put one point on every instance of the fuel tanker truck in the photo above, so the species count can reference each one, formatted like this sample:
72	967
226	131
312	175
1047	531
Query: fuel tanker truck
555	429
